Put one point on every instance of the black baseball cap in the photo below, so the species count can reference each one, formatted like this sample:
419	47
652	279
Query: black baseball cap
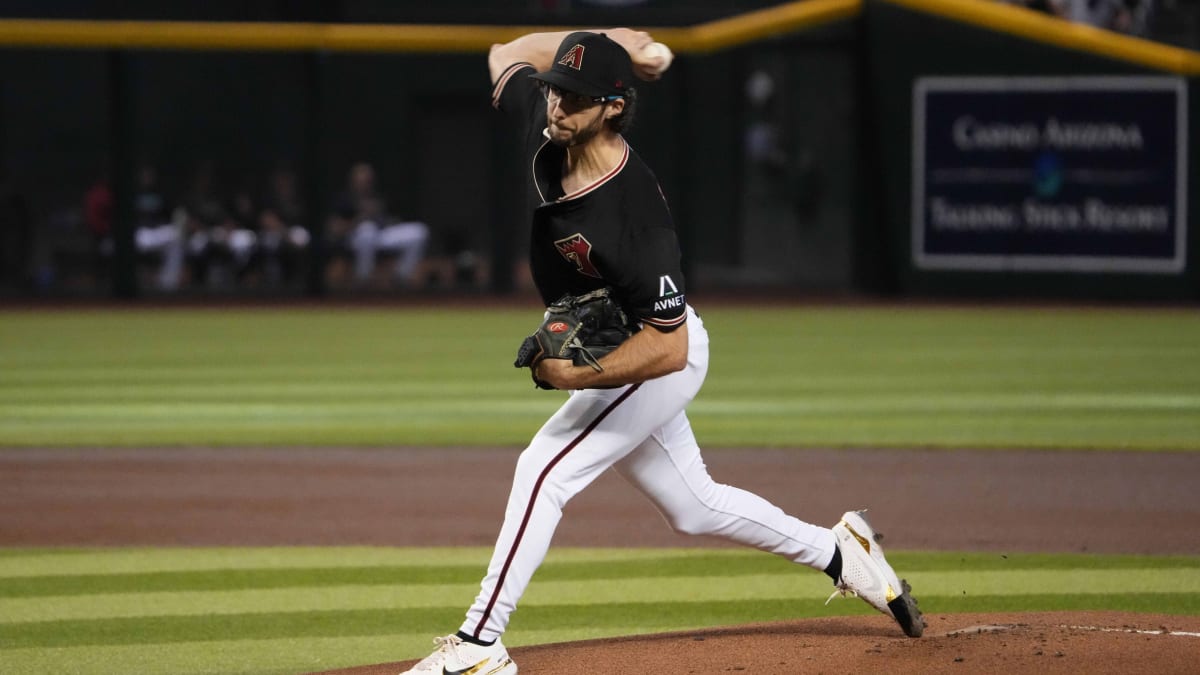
590	64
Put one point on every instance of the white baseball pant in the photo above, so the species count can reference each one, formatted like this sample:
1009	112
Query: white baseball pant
643	433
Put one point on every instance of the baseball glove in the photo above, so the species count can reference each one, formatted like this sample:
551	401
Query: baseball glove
581	328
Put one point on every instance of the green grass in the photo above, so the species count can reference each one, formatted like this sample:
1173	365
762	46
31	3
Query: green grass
291	610
855	376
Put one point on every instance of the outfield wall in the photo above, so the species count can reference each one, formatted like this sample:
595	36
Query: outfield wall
784	137
1027	163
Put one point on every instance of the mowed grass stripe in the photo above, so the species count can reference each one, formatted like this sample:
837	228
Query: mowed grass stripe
630	617
64	572
33	562
82	382
253	387
233	580
364	401
159	630
174	374
512	424
105	414
369	376
799	585
267	578
403	597
279	656
959	402
664	568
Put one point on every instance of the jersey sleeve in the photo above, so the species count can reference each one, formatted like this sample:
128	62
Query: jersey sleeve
515	93
646	269
657	296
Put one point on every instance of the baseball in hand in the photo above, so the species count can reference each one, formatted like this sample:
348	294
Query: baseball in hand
657	50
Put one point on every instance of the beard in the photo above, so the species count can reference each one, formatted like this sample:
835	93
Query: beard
565	138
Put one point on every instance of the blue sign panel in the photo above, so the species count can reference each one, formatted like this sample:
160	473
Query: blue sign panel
1070	174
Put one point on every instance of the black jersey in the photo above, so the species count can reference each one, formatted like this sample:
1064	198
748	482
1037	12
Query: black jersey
616	232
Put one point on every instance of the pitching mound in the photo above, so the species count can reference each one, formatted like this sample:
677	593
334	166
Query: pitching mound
1049	642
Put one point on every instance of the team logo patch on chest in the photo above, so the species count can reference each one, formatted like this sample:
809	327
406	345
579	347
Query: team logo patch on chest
578	250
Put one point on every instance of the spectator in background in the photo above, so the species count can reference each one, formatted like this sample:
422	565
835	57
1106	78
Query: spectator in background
98	217
199	218
238	241
238	231
177	240
158	233
375	234
218	243
362	229
282	237
198	211
1131	17
347	205
149	203
242	205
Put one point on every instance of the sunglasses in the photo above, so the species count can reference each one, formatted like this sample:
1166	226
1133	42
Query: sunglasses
570	99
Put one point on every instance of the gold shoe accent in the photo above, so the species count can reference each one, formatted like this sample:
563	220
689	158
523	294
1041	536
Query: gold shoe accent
861	539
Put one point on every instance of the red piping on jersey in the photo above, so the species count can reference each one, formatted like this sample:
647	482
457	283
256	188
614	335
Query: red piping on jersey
603	179
503	80
587	188
512	551
667	323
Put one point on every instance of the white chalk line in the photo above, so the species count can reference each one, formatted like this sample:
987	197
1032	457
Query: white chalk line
999	628
1136	631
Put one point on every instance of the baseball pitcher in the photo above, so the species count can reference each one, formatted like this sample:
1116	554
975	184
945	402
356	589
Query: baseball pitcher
620	336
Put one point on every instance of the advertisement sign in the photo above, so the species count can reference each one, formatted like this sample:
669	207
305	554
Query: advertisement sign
1057	174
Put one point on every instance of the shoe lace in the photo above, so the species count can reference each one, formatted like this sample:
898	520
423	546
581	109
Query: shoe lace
842	589
446	645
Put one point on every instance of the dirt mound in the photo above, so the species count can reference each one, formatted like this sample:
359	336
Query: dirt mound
1046	642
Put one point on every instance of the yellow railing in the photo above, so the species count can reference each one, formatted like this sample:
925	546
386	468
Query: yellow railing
701	38
406	38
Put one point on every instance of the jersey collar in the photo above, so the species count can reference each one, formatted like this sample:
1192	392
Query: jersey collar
587	189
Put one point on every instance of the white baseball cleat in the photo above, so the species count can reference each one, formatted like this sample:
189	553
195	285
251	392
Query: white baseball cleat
867	574
457	657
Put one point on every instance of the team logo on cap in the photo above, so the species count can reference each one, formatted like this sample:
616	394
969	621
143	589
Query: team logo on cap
573	58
